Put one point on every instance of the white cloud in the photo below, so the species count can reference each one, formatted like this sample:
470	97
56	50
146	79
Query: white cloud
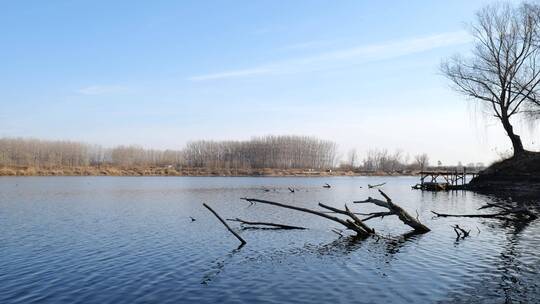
102	90
348	56
307	45
232	74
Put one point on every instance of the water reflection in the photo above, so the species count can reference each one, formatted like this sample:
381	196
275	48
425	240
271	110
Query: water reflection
218	265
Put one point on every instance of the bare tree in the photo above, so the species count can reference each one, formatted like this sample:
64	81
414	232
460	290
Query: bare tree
421	161
352	158
263	152
503	72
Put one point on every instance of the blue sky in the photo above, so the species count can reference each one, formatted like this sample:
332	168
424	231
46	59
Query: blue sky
161	73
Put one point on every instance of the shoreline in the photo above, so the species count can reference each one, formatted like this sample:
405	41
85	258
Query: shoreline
202	172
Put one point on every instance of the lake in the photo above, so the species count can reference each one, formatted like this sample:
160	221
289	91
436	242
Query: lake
131	240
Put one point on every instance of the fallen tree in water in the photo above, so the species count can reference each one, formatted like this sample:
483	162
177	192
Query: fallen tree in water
353	221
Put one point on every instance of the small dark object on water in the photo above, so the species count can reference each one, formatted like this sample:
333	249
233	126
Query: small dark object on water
292	190
192	219
326	185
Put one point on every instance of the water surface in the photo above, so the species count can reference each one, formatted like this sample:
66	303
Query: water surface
131	240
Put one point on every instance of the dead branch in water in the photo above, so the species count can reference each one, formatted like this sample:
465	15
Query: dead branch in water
377	185
460	232
280	226
226	225
506	213
394	209
354	223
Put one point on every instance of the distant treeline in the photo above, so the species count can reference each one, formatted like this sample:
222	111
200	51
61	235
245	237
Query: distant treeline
278	152
261	152
46	153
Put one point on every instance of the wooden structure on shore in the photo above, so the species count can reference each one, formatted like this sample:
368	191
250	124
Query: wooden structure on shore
453	179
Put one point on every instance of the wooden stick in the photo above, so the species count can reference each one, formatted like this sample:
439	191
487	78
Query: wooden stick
518	213
281	226
226	225
490	215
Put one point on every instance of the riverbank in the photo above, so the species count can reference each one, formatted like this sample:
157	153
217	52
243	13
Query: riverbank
172	171
517	176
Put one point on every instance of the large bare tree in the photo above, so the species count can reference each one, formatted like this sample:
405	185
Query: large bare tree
503	72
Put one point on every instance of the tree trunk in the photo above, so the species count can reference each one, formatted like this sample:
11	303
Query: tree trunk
517	145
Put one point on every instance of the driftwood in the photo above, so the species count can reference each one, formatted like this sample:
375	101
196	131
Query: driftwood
377	185
279	226
226	225
394	209
353	222
505	213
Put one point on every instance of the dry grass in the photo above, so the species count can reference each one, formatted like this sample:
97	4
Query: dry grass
167	171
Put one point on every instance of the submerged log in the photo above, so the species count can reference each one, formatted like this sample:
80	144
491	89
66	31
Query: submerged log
394	209
243	242
280	226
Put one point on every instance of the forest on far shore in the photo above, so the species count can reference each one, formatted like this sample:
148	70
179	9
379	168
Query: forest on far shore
274	152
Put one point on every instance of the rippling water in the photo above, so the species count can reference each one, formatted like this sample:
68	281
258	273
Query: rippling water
131	240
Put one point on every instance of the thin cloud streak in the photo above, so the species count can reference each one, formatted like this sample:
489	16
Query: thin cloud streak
346	57
102	90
